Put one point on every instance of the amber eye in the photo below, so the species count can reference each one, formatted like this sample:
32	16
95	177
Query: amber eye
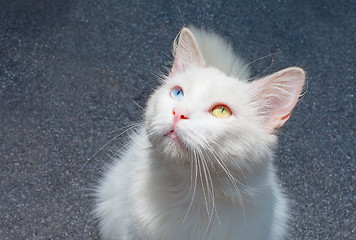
221	111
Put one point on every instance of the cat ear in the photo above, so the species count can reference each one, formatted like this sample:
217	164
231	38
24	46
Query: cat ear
186	52
277	94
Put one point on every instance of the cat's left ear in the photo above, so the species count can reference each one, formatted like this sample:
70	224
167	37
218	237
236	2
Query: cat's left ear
186	52
277	94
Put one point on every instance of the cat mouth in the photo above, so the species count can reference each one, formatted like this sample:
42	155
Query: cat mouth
172	135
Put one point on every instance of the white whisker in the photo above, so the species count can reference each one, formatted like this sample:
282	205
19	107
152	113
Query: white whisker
210	189
232	179
195	184
106	144
202	186
260	58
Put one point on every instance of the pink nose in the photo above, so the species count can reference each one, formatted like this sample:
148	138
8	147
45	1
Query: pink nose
179	115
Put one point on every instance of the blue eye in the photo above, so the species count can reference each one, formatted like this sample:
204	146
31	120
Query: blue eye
177	93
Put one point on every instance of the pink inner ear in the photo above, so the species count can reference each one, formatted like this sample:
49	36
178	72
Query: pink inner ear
277	95
278	121
186	52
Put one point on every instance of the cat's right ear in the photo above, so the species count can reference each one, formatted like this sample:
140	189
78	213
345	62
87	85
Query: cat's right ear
186	52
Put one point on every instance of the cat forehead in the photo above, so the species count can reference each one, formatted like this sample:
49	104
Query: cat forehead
208	81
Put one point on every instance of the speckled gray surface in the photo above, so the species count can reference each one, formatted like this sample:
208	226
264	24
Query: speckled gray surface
71	72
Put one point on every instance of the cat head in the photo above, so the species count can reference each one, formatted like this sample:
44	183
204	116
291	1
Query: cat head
200	112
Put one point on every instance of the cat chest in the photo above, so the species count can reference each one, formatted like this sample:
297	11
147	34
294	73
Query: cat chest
182	213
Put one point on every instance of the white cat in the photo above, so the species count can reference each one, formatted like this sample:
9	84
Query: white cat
201	165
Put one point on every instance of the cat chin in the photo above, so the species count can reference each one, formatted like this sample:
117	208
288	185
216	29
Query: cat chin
175	148
171	148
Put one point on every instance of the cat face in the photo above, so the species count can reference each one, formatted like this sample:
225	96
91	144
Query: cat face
203	113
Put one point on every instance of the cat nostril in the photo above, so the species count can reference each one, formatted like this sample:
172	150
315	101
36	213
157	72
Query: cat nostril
179	114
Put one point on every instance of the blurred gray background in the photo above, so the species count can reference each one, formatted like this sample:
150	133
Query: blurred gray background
74	72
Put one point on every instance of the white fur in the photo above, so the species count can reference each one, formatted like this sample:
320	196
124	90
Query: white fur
218	181
220	54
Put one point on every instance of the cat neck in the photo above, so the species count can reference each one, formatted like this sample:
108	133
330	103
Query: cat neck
234	185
